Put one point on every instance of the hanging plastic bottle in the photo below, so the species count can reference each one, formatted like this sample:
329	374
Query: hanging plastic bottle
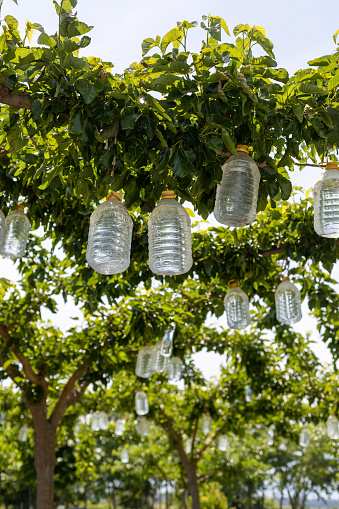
103	420
76	429
248	394
270	435
237	193
143	427
95	424
120	427
222	443
304	437
144	362
124	455
188	446
159	362
3	416
17	228
167	343
141	403
174	369
326	202
287	303
110	237
2	229
333	427
237	307
23	434
206	424
169	237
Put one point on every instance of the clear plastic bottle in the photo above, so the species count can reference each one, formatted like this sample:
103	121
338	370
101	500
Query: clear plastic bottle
120	427
206	424
304	437
159	362
95	424
169	237
188	446
270	435
174	369
167	343
77	428
333	427
326	203
143	427
103	420
248	394
17	228
141	403
2	228
237	194
110	237
124	455
222	443
144	364
3	416
23	434
287	303
237	307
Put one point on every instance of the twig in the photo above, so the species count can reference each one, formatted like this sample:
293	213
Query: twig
17	100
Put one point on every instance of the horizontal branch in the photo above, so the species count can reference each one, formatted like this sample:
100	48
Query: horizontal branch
274	250
21	100
322	165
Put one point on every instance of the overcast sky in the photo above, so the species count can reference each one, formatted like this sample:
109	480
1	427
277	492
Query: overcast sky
300	30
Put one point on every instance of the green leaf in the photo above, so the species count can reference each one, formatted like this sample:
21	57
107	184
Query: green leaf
11	81
149	43
214	143
166	79
87	90
110	131
76	124
299	112
78	28
37	108
286	188
229	142
173	35
46	40
73	62
335	36
308	88
189	212
333	82
129	118
11	22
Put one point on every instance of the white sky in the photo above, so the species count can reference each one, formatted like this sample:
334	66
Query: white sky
300	30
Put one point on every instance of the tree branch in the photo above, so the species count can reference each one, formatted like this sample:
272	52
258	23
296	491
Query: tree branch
161	471
21	100
195	431
209	441
77	394
274	250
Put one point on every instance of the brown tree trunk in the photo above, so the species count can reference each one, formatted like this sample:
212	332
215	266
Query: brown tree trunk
193	485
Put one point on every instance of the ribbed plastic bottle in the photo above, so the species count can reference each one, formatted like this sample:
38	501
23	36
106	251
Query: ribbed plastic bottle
287	303
95	424
237	307
326	203
143	427
270	435
237	194
333	427
169	237
222	443
124	456
167	343
248	394
120	427
23	434
304	437
206	424
17	228
188	446
110	237
144	364
159	362
174	369
103	420
141	403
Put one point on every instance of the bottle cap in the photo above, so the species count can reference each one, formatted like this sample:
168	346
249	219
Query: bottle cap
148	344
21	207
168	194
233	282
285	278
114	196
332	165
242	148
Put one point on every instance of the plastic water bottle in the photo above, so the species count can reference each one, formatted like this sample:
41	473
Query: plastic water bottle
159	362
110	237
169	237
287	303
188	446
222	443
141	403
143	427
237	307
248	394
270	435
95	424
23	434
237	193
120	427
174	369
304	438
103	420
144	362
333	427
17	228
167	343
3	416
2	228
326	203
124	456
206	424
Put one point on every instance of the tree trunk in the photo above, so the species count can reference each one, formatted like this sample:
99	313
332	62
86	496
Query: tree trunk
113	498
193	485
44	457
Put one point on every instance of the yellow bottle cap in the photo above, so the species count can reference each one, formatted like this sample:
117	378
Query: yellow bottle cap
242	148
114	196
332	165
285	278
233	283
21	207
168	194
